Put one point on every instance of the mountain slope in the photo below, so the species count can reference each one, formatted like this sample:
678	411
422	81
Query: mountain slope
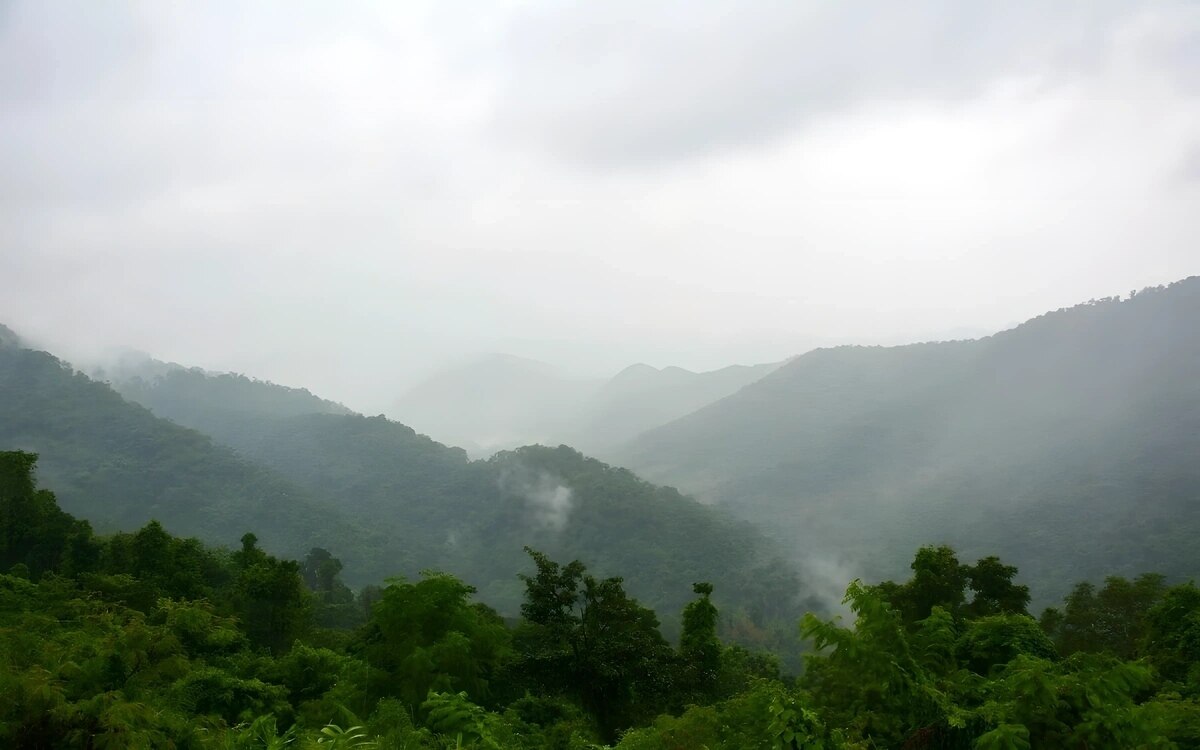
118	465
384	499
221	405
1070	444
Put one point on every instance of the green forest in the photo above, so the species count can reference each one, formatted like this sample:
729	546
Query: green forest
1068	443
149	640
386	500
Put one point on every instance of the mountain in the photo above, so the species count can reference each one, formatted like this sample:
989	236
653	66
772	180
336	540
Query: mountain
501	401
118	465
221	405
8	338
301	472
1069	445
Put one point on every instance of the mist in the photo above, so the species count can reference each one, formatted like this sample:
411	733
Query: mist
547	499
354	199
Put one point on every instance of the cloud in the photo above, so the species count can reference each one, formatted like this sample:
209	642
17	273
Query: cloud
343	196
547	499
628	83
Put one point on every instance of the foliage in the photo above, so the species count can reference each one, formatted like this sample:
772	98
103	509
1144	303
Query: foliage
587	637
153	641
366	492
427	636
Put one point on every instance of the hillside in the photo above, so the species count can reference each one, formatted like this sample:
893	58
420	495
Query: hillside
119	466
1069	445
383	498
473	518
221	405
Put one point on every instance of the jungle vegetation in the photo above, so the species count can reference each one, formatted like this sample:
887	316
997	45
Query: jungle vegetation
148	640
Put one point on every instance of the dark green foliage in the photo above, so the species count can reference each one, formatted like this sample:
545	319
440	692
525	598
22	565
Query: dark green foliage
881	684
157	641
270	599
1171	638
994	590
1111	620
768	716
34	533
121	466
995	640
334	602
699	648
587	638
427	636
940	580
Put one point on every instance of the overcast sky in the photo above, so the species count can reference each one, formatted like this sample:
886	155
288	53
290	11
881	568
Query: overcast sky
346	195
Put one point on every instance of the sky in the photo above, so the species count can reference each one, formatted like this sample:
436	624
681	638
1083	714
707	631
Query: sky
346	196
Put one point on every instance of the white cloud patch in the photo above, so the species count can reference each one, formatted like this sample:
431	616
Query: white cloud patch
547	499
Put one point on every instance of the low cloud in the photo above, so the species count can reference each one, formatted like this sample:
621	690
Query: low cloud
547	499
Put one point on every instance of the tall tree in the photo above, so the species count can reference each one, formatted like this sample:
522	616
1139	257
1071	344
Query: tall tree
995	592
588	638
699	648
428	635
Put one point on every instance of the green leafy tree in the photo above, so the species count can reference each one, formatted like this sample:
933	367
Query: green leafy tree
270	598
1172	637
869	679
994	641
428	635
34	532
994	590
1112	619
586	637
699	648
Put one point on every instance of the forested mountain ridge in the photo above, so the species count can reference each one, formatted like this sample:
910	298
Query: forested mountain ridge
383	498
1069	443
8	337
148	640
220	405
119	466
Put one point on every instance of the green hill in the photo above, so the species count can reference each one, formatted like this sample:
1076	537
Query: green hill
384	499
118	465
1069	445
217	404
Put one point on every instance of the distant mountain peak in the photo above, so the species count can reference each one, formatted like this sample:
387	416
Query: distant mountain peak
8	337
638	373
